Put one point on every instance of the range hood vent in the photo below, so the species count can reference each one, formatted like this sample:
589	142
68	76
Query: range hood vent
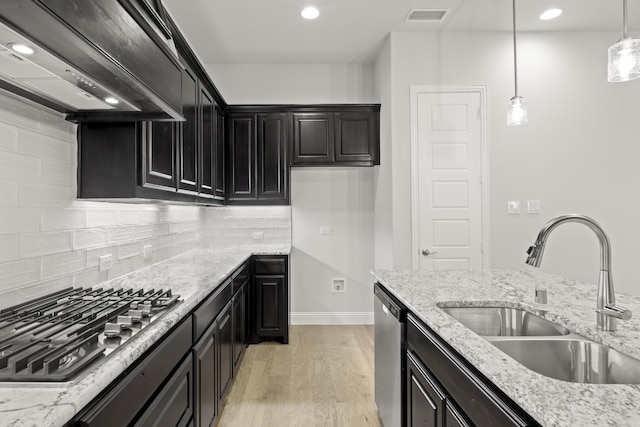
92	60
426	15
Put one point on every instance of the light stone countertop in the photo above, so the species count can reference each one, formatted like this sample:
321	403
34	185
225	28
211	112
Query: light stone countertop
572	304
193	276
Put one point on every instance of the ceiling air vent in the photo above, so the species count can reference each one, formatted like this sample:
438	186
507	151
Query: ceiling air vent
425	15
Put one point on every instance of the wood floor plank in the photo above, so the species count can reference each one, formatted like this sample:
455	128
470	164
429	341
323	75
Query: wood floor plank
323	378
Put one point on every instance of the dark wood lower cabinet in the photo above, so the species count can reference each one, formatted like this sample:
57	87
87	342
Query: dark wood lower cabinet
205	361
174	404
452	391
239	323
225	352
270	295
425	399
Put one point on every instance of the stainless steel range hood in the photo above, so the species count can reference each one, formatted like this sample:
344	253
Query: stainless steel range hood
93	60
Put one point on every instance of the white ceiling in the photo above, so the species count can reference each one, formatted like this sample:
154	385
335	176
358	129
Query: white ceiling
350	31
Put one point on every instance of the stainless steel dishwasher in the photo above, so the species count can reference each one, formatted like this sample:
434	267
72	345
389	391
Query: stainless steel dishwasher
388	318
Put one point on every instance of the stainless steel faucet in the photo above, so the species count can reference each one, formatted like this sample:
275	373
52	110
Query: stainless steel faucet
606	309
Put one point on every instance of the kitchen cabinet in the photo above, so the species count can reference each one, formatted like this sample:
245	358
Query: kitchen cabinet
189	135
205	361
173	406
447	390
239	314
219	169
336	135
225	352
158	143
258	170
270	299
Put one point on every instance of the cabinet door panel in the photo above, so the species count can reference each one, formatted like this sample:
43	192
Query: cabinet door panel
272	157
269	305
188	171
159	154
453	417
225	352
207	130
425	399
174	404
239	313
206	374
313	138
242	173
356	137
219	169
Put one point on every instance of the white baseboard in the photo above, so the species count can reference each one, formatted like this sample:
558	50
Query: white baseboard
332	318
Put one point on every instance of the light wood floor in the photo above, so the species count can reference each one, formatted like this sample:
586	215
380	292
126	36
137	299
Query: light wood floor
323	378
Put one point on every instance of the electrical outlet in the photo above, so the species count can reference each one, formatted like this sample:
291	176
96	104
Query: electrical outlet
258	235
325	231
338	285
533	206
105	262
147	251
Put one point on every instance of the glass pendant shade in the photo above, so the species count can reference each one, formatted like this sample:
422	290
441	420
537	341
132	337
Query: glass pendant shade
517	111
624	60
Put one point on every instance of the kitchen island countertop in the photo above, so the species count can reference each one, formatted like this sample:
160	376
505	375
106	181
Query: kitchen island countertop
572	304
193	276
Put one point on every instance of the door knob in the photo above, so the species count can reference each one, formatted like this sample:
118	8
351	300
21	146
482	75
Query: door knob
427	252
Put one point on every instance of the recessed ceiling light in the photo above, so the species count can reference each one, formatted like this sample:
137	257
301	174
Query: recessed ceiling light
550	14
22	48
310	13
111	100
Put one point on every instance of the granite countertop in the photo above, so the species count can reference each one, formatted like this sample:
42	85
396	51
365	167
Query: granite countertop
193	276
572	304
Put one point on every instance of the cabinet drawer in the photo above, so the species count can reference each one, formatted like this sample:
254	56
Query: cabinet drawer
208	310
472	393
270	265
122	403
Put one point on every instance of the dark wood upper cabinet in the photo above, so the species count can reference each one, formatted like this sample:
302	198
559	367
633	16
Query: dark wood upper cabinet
313	138
356	137
273	172
188	144
340	135
219	154
258	171
241	149
158	141
207	144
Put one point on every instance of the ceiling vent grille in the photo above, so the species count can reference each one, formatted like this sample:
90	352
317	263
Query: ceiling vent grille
426	15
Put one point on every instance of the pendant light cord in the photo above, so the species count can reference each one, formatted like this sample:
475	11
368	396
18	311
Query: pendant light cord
624	19
515	51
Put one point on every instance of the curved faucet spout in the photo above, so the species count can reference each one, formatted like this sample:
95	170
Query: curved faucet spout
606	308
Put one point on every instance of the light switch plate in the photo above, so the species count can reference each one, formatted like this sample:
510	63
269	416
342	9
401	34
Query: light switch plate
105	262
258	235
325	231
513	207
147	251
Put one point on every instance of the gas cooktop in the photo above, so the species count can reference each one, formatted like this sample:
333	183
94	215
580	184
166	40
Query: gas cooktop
57	336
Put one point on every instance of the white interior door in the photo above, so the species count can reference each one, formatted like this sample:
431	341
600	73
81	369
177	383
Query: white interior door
447	146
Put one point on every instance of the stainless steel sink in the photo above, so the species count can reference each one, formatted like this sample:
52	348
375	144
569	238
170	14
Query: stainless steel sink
504	321
573	360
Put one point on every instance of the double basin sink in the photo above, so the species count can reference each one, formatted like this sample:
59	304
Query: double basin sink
546	347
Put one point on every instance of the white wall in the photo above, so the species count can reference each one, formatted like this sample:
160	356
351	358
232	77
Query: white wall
293	83
49	240
237	225
578	153
341	198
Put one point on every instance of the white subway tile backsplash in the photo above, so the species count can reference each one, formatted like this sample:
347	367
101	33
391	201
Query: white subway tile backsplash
19	167
8	137
63	264
44	147
44	195
19	220
131	217
39	244
44	288
17	112
101	218
9	247
129	250
19	273
93	255
90	238
122	267
63	219
53	124
90	277
8	193
127	233
56	173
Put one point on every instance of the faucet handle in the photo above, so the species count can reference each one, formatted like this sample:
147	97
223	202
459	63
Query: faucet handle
615	311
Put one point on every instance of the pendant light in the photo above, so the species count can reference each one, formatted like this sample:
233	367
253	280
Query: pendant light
624	56
517	106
